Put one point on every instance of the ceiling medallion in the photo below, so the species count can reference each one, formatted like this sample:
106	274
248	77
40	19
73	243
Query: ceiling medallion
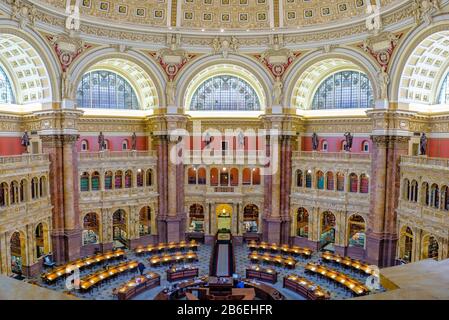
67	48
381	47
172	59
276	58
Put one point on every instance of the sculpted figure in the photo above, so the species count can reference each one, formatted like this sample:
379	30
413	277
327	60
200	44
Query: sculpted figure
423	145
277	91
25	141
315	141
134	141
101	143
348	138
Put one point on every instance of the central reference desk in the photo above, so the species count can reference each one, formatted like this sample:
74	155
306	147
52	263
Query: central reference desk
138	285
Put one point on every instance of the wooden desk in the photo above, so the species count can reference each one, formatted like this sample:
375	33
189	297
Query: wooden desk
181	288
353	285
288	262
173	258
61	271
285	249
92	280
171	246
181	274
348	262
138	285
262	274
264	291
305	288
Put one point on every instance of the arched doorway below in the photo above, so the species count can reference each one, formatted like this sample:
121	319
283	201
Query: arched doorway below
224	218
327	231
17	247
119	231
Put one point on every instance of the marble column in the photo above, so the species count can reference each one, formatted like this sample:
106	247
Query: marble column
174	192
162	187
385	181
64	191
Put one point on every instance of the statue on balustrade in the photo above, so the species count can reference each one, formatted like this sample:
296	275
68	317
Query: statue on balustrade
315	141
134	142
101	142
241	139
207	139
423	145
348	138
25	141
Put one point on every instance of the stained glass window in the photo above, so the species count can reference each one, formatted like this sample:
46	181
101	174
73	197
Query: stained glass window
225	92
107	90
444	91
344	90
6	94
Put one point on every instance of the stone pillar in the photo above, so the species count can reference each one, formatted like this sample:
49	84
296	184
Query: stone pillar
64	191
385	181
174	194
162	187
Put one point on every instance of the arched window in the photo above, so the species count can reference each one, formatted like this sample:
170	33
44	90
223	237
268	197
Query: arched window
108	180
406	189
6	93
320	180
365	146
191	175
106	90
435	196
302	219
145	221
118	180
224	177
414	191
91	229
299	178
125	145
84	182
246	176
41	240
42	187
340	181
364	183
324	146
225	92
330	181
196	215
202	176
139	178
406	244
353	182
343	145
119	226
234	177
445	198
430	247
23	190
84	145
95	181
17	250
256	176
251	218
343	90
128	179
309	179
443	97
214	177
327	230
3	194
106	144
356	225
149	178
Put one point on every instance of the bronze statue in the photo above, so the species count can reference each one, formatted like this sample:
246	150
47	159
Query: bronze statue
348	138
423	145
315	141
134	141
101	142
25	141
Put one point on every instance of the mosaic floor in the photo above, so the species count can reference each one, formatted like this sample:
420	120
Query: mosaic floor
104	291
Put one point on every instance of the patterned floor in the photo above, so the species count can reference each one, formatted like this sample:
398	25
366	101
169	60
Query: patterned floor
104	291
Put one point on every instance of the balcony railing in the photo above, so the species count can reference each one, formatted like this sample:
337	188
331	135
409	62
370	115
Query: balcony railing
116	155
425	161
332	155
225	157
24	158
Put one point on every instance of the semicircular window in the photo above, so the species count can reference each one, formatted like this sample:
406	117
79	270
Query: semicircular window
225	93
444	91
6	94
105	90
344	90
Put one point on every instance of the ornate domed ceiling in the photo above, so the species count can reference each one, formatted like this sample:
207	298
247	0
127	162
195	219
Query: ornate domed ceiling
224	15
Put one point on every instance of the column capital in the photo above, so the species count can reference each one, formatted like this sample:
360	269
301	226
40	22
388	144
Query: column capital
392	122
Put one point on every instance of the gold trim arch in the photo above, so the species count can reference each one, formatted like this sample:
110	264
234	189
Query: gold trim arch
202	69
306	74
138	70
